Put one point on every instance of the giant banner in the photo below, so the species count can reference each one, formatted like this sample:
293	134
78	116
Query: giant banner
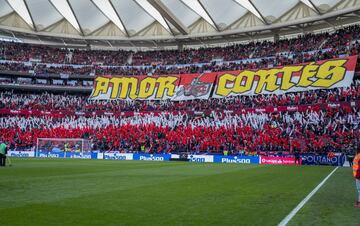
325	74
173	87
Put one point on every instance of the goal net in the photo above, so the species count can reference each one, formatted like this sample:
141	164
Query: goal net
63	145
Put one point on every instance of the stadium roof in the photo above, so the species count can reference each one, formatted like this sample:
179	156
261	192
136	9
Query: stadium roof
133	21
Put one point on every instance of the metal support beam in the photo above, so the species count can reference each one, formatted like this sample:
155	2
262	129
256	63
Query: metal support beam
315	7
32	19
22	10
216	27
77	20
107	9
63	7
167	14
311	5
258	11
126	31
154	13
330	23
247	4
199	9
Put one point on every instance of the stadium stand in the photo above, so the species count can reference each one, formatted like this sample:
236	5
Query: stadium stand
175	126
179	112
310	47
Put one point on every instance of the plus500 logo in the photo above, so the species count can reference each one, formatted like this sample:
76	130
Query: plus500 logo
115	157
151	158
235	160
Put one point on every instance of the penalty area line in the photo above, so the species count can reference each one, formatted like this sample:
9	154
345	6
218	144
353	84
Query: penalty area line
286	220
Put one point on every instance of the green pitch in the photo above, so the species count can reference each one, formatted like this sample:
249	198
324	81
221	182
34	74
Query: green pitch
98	192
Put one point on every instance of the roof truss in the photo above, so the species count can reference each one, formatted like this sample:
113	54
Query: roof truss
165	11
199	9
64	8
106	7
247	4
311	5
21	9
154	13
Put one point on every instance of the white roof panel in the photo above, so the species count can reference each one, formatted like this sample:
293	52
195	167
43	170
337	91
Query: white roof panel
43	13
133	16
106	8
152	19
274	10
325	5
181	11
5	8
21	9
153	12
65	10
229	11
197	8
88	15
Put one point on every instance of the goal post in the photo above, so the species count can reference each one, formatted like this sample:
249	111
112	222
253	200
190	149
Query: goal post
62	147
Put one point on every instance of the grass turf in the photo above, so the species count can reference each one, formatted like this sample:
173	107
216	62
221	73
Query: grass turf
95	192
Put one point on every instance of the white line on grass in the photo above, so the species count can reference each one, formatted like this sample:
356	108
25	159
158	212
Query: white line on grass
286	220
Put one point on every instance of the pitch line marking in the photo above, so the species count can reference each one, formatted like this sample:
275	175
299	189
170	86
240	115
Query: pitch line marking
286	220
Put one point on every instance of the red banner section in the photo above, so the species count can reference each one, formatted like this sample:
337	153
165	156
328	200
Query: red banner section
325	74
300	108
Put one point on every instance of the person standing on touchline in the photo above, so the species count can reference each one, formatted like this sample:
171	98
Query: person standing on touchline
356	172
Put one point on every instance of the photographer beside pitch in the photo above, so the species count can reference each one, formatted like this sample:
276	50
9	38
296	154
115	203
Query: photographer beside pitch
3	152
356	172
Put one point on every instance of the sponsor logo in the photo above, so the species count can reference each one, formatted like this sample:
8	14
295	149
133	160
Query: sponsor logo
43	155
196	159
151	158
53	155
115	156
80	156
277	160
316	159
235	160
19	155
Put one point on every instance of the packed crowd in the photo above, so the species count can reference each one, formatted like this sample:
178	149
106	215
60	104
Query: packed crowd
49	101
319	130
311	131
322	130
305	48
